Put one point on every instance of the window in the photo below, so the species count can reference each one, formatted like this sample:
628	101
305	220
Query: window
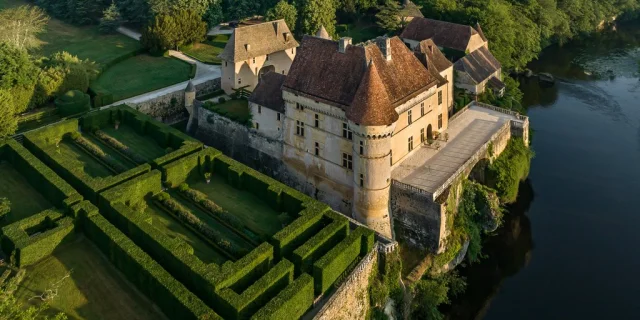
300	128
239	81
268	60
278	116
259	109
391	157
422	109
410	143
254	60
445	77
299	106
361	148
317	149
257	126
347	161
225	63
293	50
346	132
361	180
317	121
439	97
409	115
439	121
421	135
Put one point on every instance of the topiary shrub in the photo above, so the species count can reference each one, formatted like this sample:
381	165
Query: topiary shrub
73	102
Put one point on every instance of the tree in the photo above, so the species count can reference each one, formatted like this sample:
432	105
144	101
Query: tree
21	25
388	18
77	74
169	31
240	9
8	126
18	75
214	15
283	10
111	19
317	13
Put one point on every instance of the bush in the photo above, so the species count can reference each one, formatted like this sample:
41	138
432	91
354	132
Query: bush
314	248
511	167
169	31
291	303
222	100
98	152
73	102
113	142
110	20
5	207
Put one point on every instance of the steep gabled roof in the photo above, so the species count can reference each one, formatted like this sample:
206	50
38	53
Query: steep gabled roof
479	65
268	92
410	9
258	40
321	72
444	34
430	55
371	105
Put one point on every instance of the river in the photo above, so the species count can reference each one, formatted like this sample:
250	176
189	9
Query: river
568	247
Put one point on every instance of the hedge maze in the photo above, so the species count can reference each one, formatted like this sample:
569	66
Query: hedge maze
201	235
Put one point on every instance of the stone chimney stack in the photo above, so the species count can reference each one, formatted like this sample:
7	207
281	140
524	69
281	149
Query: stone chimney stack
343	43
386	48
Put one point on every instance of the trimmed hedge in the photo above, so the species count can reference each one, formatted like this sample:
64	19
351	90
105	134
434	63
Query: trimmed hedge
329	268
146	274
291	303
73	102
47	182
51	135
177	172
319	244
37	114
293	235
29	249
116	144
241	306
97	152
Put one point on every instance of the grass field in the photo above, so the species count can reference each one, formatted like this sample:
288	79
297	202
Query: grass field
236	109
255	214
90	165
141	74
360	32
174	229
208	50
143	145
94	290
25	199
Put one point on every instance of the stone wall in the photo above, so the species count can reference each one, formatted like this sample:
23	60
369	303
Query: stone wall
351	300
171	105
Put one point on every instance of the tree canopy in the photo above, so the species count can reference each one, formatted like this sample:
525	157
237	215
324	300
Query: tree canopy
171	31
21	25
317	13
283	10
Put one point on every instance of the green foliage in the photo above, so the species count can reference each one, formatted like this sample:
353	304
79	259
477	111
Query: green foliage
214	15
284	10
511	167
5	207
21	26
113	142
388	16
97	152
317	13
314	248
73	102
18	76
111	19
143	271
290	303
8	118
240	9
176	173
12	309
430	293
79	12
234	109
169	31
512	98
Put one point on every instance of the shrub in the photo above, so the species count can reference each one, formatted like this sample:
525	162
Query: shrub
291	303
222	100
73	102
98	152
169	31
314	248
511	166
5	207
110	20
113	142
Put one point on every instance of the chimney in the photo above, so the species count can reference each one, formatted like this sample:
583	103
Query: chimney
385	47
343	43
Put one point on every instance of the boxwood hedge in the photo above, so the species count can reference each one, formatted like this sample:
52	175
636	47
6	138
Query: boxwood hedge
319	244
290	303
35	237
177	172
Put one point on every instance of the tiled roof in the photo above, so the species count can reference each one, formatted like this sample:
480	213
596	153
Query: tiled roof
258	40
444	34
496	83
321	72
371	105
480	64
430	55
268	92
409	9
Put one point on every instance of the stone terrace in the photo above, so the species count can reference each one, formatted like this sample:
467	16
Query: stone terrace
429	171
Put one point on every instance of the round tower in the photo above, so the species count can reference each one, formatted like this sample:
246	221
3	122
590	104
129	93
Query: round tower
372	120
189	95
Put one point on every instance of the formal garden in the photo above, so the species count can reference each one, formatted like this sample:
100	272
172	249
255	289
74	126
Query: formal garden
189	233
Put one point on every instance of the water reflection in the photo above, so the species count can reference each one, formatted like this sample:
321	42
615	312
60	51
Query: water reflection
508	251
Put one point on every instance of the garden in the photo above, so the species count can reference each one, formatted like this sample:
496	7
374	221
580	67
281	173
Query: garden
207	51
199	234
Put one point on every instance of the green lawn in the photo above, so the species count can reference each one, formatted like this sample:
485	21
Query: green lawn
94	290
360	32
143	145
208	50
254	213
141	74
236	109
174	229
90	165
11	3
25	199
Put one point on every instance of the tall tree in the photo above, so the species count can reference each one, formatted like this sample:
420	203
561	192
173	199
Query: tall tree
388	18
172	31
17	75
111	19
317	13
283	10
214	15
21	25
8	119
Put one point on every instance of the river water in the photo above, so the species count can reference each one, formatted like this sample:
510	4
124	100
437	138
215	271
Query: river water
569	247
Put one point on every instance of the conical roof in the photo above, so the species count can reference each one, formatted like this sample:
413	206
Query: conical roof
322	33
372	105
190	87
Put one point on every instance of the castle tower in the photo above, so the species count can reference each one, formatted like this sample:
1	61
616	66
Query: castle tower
372	120
189	95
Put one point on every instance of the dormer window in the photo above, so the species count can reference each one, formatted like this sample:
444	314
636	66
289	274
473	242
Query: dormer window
254	60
